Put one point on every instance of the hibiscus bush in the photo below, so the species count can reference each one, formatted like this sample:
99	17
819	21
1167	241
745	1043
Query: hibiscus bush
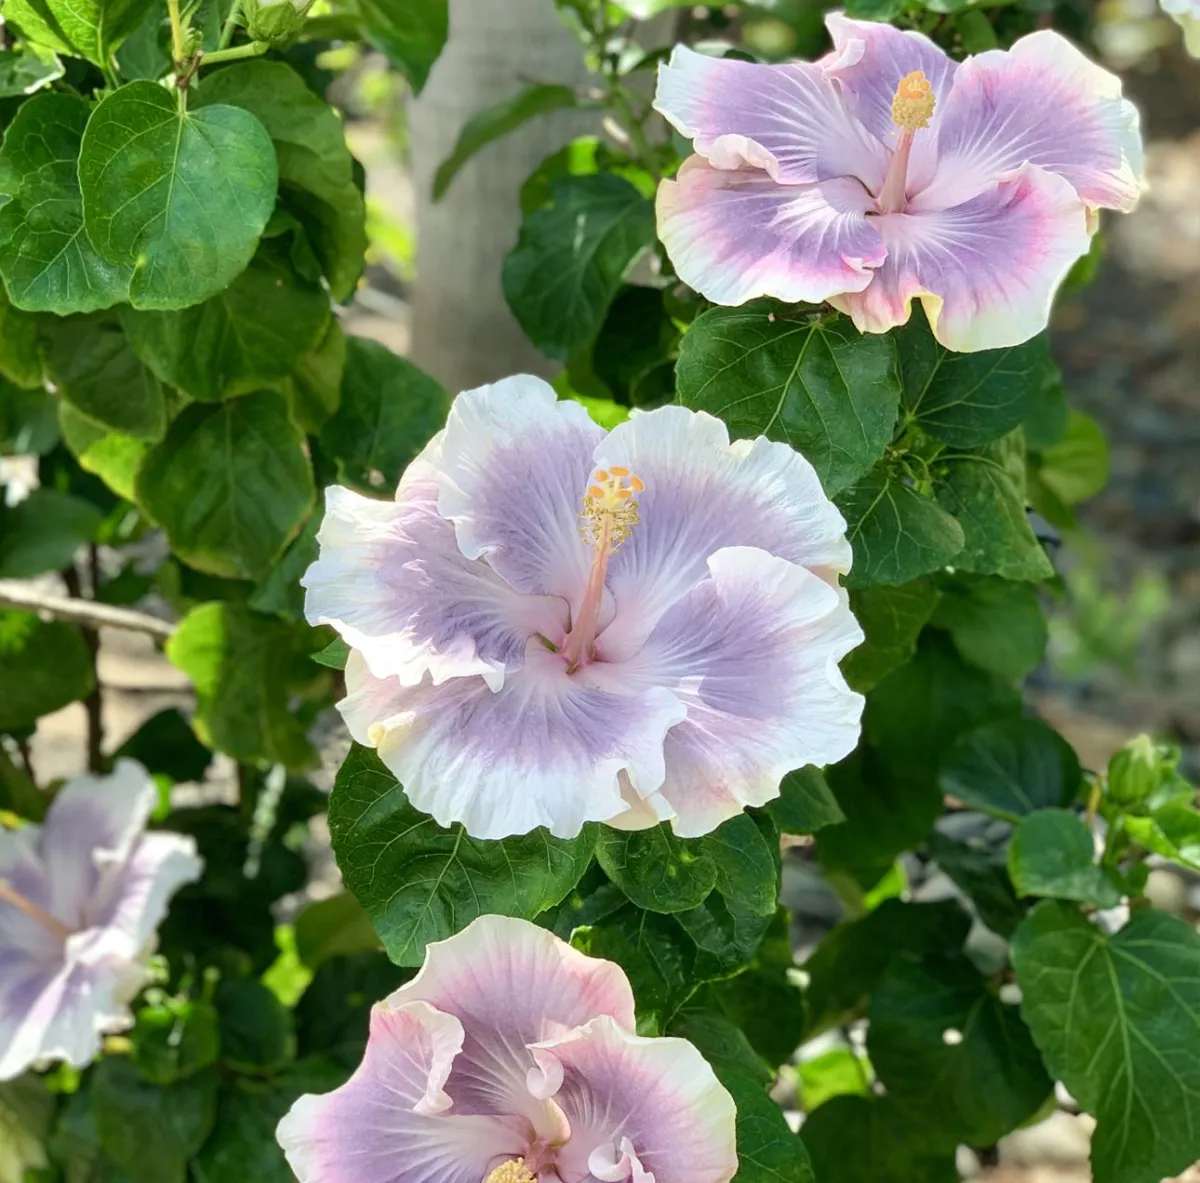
751	586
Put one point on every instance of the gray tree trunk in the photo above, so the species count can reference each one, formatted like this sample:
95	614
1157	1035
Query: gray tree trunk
463	332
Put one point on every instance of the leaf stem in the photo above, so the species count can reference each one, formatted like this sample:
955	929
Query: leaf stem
252	49
178	46
230	24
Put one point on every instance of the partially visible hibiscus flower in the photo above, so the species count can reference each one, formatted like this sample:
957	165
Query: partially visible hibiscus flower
80	899
512	1058
553	625
886	172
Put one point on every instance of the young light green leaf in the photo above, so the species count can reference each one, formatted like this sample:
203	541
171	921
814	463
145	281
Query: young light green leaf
181	197
1118	1021
897	534
43	532
571	257
44	665
26	70
247	337
230	484
815	383
655	869
1011	768
1076	467
96	372
1052	855
410	32
892	618
497	121
113	457
316	170
420	882
1172	830
91	29
46	259
995	624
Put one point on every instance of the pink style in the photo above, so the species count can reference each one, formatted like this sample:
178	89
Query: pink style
887	172
512	1058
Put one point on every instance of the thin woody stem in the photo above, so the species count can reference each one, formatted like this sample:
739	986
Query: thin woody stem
10	895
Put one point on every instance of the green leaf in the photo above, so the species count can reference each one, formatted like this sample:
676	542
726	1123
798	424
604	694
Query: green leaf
28	423
747	863
316	169
43	532
20	359
1118	1021
1172	830
315	389
280	594
95	370
46	259
853	1139
175	1039
420	882
850	962
91	29
814	383
953	1058
239	662
389	411
1052	855
767	1150
333	655
657	870
26	70
333	927
487	126
410	32
722	1043
805	803
571	257
897	534
1011	768
967	399
149	1131
250	336
837	1073
1076	467
230	484
334	1013
892	618
113	457
995	624
181	197
980	870
985	492
256	1030
165	745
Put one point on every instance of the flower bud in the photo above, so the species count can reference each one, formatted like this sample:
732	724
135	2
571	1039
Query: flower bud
1138	769
275	21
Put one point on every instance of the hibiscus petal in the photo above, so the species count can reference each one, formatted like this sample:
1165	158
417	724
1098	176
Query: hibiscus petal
545	750
513	468
511	984
703	493
792	112
393	583
760	681
1041	102
652	1105
22	868
387	1123
986	270
736	234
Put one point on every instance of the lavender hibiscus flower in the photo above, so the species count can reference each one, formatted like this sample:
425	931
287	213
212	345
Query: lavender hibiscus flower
80	899
512	1058
552	624
887	172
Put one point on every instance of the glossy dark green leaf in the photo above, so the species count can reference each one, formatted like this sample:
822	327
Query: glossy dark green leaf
768	1151
180	197
814	383
230	484
655	869
571	257
250	336
967	399
91	29
389	410
746	856
239	662
484	127
315	390
892	618
1118	1021
316	170
805	803
996	624
43	533
985	493
280	594
897	534
47	262
95	370
1052	854
20	359
26	70
1011	768
980	870
955	1059
420	882
44	665
410	32
722	1043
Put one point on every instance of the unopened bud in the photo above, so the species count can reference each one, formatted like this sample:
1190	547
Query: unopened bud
1138	769
275	21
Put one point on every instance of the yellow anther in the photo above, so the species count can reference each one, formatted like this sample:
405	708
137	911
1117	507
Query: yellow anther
617	470
595	492
600	475
636	484
610	510
511	1172
913	105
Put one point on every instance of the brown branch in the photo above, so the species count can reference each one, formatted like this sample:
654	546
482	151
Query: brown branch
87	613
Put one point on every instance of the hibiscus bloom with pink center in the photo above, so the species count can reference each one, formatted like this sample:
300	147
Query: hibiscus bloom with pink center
887	172
512	1058
553	624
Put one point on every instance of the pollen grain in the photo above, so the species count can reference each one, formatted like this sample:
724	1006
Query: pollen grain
912	108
